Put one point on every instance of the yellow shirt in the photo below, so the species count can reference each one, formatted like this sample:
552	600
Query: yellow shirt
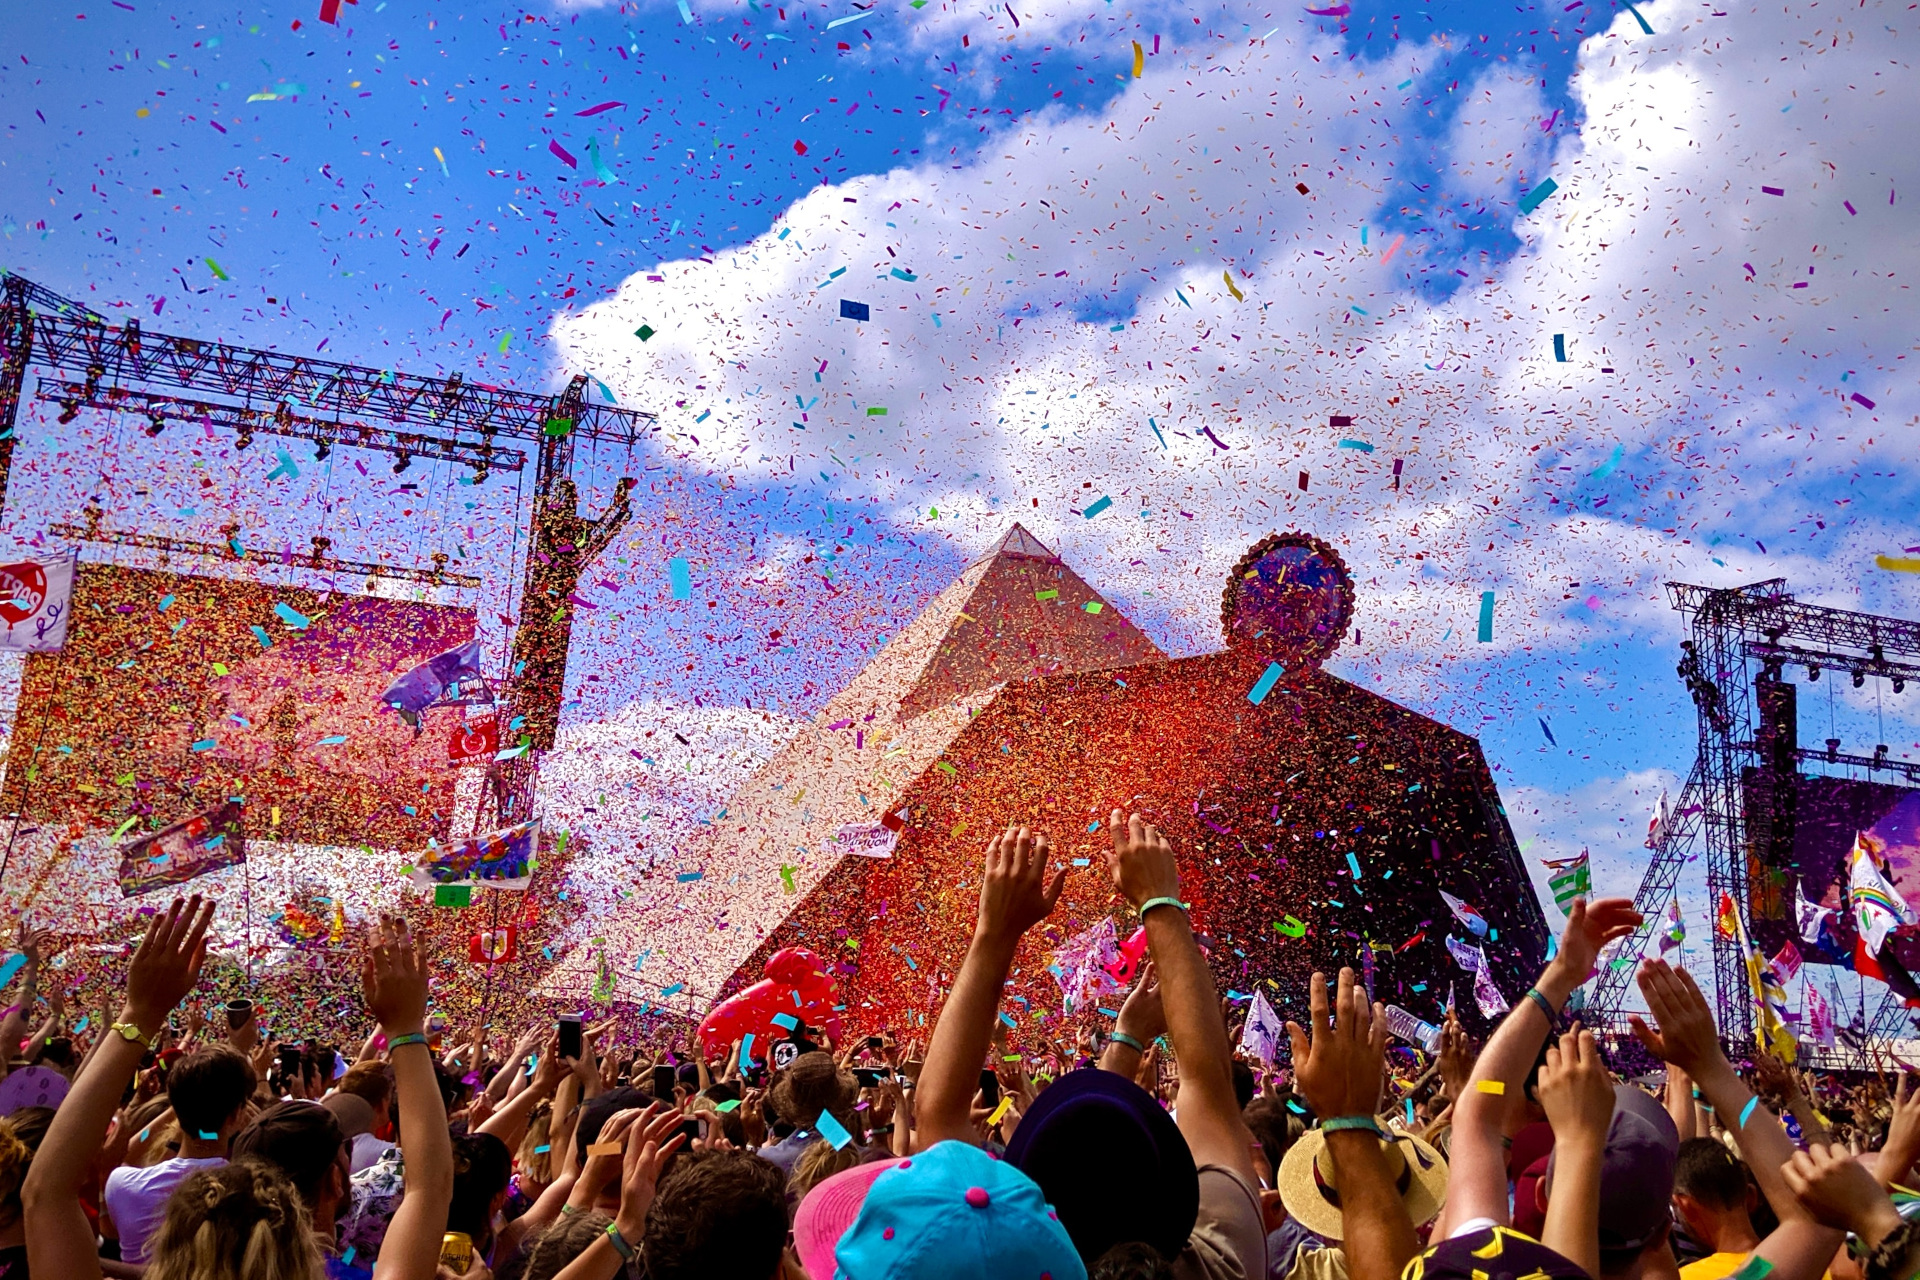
1715	1266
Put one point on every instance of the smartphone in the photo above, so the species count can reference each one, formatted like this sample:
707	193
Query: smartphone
239	1014
572	1045
874	1043
691	1129
663	1083
870	1077
289	1065
989	1088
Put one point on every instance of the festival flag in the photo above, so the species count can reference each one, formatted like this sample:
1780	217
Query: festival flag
474	741
502	860
1261	1037
187	849
603	984
1082	964
1819	1017
1572	878
494	946
1878	908
1812	919
1727	923
1475	922
1770	1004
1885	967
450	679
1467	957
1657	824
1676	930
1786	962
36	594
1486	995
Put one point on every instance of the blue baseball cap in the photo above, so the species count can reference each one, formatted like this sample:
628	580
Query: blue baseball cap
955	1213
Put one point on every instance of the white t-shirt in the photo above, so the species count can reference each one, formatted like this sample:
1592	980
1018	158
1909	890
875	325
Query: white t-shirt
367	1151
137	1199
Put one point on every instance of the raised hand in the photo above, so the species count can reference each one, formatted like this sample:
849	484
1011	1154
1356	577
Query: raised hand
1902	1147
1838	1191
1575	1090
1687	1037
1141	862
1015	894
1590	927
649	1147
1143	1016
393	979
1456	1056
1338	1068
166	965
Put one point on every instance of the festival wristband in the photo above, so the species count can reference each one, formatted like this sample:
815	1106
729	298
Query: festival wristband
412	1037
1546	1005
620	1244
1121	1037
1341	1123
1746	1112
1151	903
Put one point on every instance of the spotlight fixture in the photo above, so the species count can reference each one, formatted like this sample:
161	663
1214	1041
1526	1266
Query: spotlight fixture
69	410
321	448
405	461
480	474
1813	673
156	424
1859	678
242	440
1899	684
1879	757
1833	750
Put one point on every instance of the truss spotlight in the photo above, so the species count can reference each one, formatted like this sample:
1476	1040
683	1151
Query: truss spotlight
405	461
1859	678
69	410
1879	756
1833	750
480	474
1813	673
244	439
321	448
1899	684
156	423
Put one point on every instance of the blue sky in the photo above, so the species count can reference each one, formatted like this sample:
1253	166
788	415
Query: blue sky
392	190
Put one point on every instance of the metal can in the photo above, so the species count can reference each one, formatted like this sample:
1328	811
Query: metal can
456	1252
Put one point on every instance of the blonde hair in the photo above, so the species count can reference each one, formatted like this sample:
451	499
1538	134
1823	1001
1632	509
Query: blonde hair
15	1155
241	1221
818	1163
534	1164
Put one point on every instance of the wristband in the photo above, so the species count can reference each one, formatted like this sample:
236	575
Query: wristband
1151	903
412	1037
1342	1123
1546	1005
567	1210
1121	1037
620	1245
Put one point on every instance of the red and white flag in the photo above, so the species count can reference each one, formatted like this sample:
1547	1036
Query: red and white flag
36	594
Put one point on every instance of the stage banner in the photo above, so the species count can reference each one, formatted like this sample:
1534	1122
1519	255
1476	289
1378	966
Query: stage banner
1264	1033
174	855
502	860
474	741
36	595
450	679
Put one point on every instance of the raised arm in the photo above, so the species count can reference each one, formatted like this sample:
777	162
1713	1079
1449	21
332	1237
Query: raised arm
1577	1096
1338	1070
503	1078
509	1123
15	1022
1477	1179
1014	896
1143	869
393	979
60	1240
1799	1248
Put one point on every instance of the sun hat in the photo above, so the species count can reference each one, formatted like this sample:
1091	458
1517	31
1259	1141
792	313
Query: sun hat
828	1210
1311	1194
1112	1163
950	1213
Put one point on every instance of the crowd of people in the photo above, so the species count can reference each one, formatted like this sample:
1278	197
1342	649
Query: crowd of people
1155	1151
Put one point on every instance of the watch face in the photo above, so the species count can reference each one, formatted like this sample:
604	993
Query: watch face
1289	601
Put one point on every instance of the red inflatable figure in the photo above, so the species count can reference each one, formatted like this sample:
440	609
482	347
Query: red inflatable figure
796	984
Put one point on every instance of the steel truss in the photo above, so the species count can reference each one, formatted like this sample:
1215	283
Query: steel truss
86	362
1740	639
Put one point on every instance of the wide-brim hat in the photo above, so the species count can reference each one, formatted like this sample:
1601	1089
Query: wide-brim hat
1311	1193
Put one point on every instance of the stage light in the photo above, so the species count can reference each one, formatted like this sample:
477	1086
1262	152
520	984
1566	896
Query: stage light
1899	685
1813	673
242	440
156	424
1859	678
69	410
404	462
1833	750
321	448
480	474
1879	757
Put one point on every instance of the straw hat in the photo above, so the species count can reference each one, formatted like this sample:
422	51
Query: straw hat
1307	1185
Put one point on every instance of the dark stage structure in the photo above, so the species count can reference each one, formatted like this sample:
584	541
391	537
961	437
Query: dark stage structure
1300	804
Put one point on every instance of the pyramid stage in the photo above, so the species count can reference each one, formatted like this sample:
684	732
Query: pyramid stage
1020	696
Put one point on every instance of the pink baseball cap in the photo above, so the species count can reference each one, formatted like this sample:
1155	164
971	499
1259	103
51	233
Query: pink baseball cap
829	1209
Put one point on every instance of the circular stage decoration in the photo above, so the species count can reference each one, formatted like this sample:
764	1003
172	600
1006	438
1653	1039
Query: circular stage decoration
1289	601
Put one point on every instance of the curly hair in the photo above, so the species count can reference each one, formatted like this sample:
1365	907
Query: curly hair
562	1242
15	1156
241	1221
818	1163
719	1213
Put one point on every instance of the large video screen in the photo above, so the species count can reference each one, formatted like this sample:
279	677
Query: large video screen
175	693
1827	814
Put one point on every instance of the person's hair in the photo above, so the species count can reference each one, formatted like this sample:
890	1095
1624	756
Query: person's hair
719	1213
562	1242
1274	1127
240	1221
818	1162
1710	1174
372	1081
301	1139
1130	1261
207	1086
597	1110
15	1156
481	1166
58	1051
535	1157
164	1146
1244	1084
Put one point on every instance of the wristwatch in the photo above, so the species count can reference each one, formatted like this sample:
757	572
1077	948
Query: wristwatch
134	1035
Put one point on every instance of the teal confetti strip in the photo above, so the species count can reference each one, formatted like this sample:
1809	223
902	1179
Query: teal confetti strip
206	744
1264	685
686	14
681	577
291	616
1354	863
1097	507
1486	617
1746	1114
1537	196
260	634
1560	347
1637	18
1361	445
673	990
332	741
1605	469
833	1131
